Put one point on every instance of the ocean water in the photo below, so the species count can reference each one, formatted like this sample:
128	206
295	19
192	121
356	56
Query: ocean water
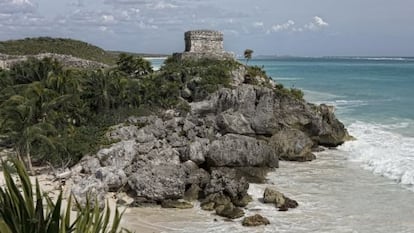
374	97
364	186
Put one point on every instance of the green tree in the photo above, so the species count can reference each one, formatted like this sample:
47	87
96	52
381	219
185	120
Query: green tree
133	66
248	55
34	70
22	128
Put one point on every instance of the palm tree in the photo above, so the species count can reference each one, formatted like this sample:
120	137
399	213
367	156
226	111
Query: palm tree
134	66
20	126
248	55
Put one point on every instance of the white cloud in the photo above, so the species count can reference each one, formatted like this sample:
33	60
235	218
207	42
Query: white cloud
316	24
16	6
258	24
108	18
163	5
283	27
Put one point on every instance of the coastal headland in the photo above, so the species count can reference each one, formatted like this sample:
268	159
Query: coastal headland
228	125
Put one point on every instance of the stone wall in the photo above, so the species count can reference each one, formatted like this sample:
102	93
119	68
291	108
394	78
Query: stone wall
6	61
204	44
203	41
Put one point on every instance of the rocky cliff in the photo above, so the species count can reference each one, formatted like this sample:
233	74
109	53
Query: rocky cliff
210	153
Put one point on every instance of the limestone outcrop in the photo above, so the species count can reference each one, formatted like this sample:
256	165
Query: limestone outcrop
201	156
6	61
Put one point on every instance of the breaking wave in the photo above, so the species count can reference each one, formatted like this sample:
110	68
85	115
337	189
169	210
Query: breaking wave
383	151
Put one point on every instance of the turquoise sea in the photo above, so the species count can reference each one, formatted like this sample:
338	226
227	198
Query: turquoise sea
366	185
374	97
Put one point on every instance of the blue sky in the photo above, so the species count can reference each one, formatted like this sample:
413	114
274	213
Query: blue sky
283	27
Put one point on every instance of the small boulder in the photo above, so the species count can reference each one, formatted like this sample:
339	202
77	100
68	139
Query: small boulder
197	150
292	145
88	165
113	177
255	220
243	201
289	203
281	201
225	180
158	182
120	154
214	200
208	206
192	193
273	196
229	211
90	190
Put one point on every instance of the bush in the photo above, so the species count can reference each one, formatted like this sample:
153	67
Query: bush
202	76
292	92
31	211
297	93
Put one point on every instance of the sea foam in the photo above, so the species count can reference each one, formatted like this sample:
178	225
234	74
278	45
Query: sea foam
382	151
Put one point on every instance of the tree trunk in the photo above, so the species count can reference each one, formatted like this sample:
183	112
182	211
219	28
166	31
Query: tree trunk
29	159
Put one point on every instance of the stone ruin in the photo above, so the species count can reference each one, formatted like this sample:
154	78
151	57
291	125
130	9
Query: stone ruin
7	61
204	44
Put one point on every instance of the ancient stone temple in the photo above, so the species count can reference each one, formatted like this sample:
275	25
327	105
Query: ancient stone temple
204	44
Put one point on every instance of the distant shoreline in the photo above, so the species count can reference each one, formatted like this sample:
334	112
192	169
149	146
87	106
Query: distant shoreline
155	58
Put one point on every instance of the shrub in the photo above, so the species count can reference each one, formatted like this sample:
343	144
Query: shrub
203	76
31	211
297	93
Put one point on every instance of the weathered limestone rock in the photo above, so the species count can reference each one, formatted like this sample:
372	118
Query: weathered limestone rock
226	181
192	194
327	130
160	156
289	203
255	220
268	112
158	182
88	165
90	188
293	145
281	201
120	154
212	201
234	150
114	177
242	201
199	177
255	175
122	132
197	151
234	122
273	196
229	211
